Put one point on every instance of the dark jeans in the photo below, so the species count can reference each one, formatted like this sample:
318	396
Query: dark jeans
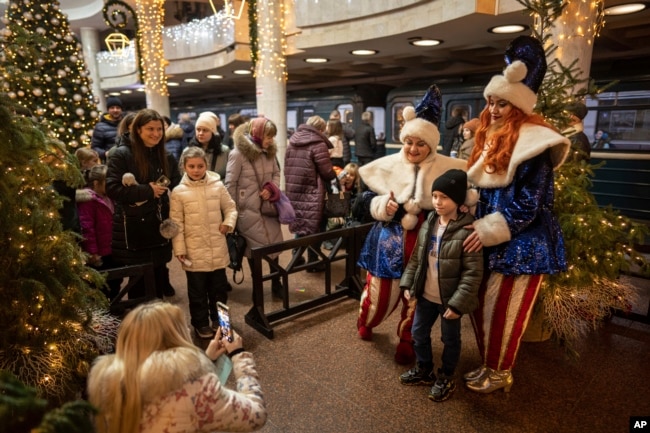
161	278
426	313
204	289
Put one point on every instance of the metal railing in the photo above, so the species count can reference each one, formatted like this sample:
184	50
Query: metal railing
347	245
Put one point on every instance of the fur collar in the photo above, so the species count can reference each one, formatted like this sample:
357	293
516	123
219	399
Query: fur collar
250	150
533	140
406	180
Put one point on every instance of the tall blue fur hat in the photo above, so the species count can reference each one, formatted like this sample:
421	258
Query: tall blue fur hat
523	75
422	121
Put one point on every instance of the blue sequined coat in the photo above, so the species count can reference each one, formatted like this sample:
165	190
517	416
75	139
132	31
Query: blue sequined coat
515	220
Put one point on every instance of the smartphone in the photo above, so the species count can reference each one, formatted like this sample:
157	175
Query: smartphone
163	181
224	320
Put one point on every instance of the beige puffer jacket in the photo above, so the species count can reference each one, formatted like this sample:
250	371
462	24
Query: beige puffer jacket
197	207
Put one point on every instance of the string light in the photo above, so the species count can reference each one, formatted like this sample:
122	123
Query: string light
585	19
270	62
151	15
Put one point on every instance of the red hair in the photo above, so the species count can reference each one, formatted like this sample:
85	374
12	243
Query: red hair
502	141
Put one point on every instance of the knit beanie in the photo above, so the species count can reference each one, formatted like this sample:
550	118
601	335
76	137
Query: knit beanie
522	77
578	109
113	101
208	121
452	183
422	121
472	125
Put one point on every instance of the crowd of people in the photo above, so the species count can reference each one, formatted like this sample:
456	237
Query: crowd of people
468	234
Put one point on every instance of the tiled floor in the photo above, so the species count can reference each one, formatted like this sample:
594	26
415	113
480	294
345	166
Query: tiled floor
318	376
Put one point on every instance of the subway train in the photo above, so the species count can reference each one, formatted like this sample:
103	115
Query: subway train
621	114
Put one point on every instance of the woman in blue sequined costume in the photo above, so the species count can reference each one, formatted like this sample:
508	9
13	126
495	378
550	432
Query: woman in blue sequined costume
512	164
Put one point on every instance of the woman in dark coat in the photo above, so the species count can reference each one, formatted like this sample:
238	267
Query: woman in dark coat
307	170
141	203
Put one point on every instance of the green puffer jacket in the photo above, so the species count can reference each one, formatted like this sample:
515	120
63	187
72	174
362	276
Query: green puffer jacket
459	273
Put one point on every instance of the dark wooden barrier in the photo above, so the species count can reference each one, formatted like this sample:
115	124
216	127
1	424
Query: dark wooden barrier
134	273
347	244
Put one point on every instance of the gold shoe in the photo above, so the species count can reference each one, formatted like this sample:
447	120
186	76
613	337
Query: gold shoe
492	381
475	374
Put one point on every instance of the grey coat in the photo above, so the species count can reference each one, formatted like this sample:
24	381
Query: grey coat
459	273
244	186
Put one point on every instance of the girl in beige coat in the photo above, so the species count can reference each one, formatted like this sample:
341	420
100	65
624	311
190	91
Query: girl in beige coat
204	213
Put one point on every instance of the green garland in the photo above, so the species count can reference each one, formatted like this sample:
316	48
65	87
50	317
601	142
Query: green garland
252	30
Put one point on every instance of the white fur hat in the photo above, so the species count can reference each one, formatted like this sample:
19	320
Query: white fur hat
207	120
422	121
522	77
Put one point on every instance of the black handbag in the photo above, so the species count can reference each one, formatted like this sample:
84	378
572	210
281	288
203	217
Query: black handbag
337	204
142	232
236	250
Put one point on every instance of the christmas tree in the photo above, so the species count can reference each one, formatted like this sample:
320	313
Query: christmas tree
599	241
49	79
51	320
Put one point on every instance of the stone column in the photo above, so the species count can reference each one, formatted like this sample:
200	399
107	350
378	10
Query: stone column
151	17
91	46
271	70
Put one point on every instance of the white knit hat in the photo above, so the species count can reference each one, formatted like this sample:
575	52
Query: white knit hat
522	77
207	120
422	121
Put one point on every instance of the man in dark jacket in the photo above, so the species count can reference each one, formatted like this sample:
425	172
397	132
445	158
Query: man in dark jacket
453	129
105	131
580	146
365	141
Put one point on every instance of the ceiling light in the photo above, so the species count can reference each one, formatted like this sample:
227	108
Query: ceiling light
214	77
510	28
364	52
242	72
115	93
126	92
419	42
317	60
142	89
625	9
192	80
172	84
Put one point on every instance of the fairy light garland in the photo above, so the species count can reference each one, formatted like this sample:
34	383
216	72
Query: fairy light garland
585	18
270	62
151	15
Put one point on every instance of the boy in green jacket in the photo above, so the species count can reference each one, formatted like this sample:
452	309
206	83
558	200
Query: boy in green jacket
445	281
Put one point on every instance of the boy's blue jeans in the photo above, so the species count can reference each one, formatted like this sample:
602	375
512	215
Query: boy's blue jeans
426	314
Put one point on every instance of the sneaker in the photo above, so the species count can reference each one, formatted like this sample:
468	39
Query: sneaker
204	332
417	376
442	389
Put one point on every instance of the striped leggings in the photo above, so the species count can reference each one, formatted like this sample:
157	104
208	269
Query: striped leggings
505	306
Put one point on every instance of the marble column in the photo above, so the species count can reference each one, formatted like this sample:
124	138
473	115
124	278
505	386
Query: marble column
91	46
270	70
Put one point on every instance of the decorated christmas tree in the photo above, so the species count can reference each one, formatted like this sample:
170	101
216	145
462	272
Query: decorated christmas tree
599	241
51	80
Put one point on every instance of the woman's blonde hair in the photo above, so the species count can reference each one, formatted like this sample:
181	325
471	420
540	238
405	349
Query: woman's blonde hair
317	122
353	169
114	382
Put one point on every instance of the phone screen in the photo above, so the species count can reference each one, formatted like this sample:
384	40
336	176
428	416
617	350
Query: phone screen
163	181
224	320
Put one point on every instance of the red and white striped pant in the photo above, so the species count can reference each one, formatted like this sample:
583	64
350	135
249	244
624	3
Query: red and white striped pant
505	306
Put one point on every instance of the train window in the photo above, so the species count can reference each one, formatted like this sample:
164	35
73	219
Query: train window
619	121
292	120
306	114
347	113
397	119
378	118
